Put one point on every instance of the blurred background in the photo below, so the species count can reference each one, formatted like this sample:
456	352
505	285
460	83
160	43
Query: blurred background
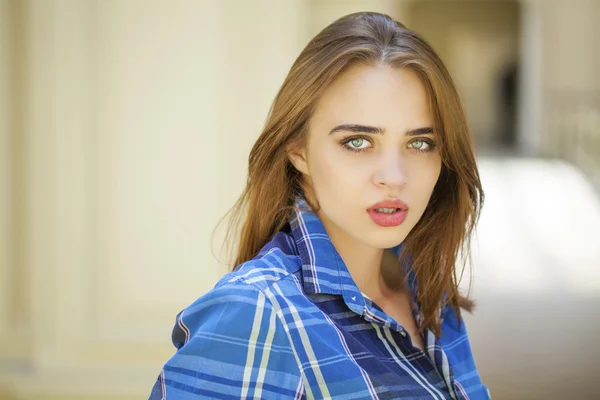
125	127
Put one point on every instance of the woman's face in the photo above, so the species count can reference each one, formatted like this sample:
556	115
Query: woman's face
369	140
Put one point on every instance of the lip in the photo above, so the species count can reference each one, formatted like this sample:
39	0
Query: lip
389	220
392	203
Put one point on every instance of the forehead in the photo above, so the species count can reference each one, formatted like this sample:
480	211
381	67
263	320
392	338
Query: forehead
391	98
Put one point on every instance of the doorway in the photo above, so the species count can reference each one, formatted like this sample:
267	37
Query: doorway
479	41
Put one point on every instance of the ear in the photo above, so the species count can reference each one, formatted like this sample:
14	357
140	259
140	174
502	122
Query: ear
297	156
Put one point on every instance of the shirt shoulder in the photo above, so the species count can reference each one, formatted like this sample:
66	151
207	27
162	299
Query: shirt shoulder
234	328
275	262
456	344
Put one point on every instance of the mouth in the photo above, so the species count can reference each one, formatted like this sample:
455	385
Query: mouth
386	210
389	206
388	213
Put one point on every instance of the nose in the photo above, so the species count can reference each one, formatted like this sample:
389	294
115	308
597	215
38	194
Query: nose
391	172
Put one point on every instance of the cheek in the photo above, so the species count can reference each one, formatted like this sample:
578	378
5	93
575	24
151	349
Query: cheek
424	178
333	171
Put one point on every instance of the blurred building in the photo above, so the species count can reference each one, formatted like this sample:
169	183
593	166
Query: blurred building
124	133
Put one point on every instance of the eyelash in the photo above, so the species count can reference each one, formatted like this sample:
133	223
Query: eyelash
345	142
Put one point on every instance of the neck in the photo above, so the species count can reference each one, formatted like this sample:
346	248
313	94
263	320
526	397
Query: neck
363	261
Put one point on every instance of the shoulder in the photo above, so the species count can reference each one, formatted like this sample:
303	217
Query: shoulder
237	328
453	327
456	344
236	297
272	265
455	339
233	311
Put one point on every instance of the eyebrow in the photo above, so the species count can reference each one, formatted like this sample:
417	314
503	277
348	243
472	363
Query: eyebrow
376	130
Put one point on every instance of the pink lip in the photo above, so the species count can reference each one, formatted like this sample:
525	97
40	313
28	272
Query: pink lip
387	220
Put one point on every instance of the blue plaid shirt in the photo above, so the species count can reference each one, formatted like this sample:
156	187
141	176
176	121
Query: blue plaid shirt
291	323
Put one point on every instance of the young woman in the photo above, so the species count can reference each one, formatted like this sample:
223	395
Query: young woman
362	194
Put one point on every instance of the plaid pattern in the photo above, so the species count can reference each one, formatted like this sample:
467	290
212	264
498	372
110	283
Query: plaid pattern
292	324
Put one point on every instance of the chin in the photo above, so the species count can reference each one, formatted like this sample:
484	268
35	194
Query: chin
386	240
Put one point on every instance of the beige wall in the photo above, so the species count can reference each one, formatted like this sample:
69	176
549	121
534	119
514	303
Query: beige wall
571	44
570	100
14	308
5	170
135	119
322	13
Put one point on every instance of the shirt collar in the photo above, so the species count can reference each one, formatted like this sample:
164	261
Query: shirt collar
323	270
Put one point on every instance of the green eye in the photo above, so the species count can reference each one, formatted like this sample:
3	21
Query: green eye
419	145
357	143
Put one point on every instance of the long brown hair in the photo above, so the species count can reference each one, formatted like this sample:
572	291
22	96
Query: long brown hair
441	238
